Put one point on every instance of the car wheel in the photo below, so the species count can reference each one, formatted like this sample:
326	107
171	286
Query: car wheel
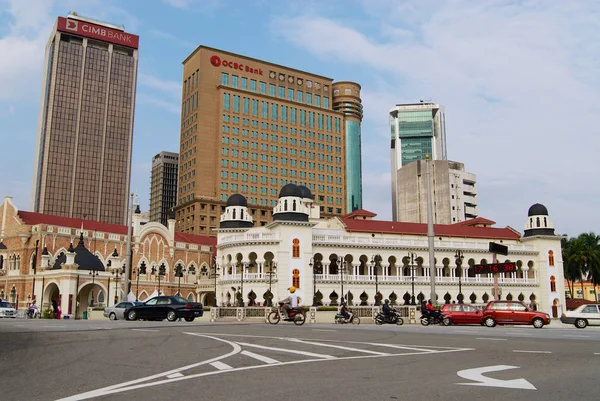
132	315
581	323
447	321
538	323
171	315
489	322
112	316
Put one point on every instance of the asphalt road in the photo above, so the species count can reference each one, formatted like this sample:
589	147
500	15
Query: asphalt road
107	360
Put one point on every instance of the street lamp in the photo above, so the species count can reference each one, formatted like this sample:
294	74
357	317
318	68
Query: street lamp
179	270
161	272
215	276
272	265
243	266
140	270
93	273
313	265
342	265
459	258
375	260
412	257
118	272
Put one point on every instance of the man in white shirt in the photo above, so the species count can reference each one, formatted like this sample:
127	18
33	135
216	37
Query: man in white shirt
290	302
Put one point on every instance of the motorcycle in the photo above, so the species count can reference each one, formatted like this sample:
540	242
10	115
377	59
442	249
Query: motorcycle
32	314
440	319
395	318
341	319
296	315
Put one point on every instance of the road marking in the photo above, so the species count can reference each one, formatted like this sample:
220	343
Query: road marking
262	358
221	366
52	326
576	336
292	351
337	346
518	334
323	330
491	339
477	375
532	352
154	331
463	331
411	348
596	353
174	375
139	383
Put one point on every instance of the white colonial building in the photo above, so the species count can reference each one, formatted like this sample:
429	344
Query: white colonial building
356	257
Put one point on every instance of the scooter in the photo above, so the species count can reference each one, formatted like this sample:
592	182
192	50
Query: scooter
32	314
427	319
296	315
341	319
395	318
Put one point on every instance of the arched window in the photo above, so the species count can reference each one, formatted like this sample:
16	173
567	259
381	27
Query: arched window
545	222
552	283
242	214
101	298
285	205
538	221
233	214
295	248
551	258
294	205
296	278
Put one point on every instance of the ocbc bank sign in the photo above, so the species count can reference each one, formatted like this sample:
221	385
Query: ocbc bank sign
216	61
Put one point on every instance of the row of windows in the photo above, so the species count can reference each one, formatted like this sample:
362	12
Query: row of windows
275	91
277	112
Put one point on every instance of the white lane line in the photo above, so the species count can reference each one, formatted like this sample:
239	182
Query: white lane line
262	358
337	346
405	347
323	330
52	326
154	331
531	352
174	375
491	339
292	351
518	334
596	353
221	366
576	336
463	331
139	383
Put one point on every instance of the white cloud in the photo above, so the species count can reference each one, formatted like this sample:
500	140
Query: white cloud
518	79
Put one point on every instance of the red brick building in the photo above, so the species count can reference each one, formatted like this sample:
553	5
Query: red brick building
80	263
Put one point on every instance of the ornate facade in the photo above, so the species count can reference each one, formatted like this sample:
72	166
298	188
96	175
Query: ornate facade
357	258
80	263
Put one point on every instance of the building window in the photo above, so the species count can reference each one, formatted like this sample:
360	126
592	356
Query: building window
265	110
234	81
244	83
226	101
299	96
296	278
253	85
552	283
224	78
271	90
281	93
263	88
290	94
551	258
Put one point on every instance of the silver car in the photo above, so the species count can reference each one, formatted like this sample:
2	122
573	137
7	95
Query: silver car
118	311
7	310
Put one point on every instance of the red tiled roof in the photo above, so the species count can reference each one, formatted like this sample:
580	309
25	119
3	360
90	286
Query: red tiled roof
31	218
475	221
359	212
444	230
574	303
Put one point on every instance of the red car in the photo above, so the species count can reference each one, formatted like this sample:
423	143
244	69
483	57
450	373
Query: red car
461	314
513	312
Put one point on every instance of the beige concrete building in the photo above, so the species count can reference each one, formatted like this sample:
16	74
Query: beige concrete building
454	192
85	128
250	127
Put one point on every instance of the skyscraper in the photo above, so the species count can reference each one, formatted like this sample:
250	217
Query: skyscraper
250	127
163	186
416	129
85	126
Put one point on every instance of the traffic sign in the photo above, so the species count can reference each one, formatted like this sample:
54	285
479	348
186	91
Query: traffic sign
497	248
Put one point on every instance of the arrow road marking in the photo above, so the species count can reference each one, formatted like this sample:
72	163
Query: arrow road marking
477	375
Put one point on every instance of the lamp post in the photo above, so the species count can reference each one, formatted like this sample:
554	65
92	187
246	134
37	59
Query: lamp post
313	265
272	265
179	270
243	266
34	267
160	272
375	260
342	267
459	258
93	273
215	276
140	270
118	272
412	257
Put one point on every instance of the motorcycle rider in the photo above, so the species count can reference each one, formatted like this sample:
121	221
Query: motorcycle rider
387	311
33	308
290	302
431	310
346	312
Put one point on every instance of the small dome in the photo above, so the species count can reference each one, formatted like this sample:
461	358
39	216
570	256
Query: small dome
290	190
237	200
538	210
137	210
305	192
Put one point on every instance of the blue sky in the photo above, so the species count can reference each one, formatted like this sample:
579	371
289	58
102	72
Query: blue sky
519	80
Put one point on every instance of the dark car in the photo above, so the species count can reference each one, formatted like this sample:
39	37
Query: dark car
461	314
169	307
513	312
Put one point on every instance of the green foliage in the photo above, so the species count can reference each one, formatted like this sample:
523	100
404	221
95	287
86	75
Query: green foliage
48	314
581	259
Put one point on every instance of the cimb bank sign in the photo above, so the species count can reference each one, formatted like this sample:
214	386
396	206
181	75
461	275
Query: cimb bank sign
88	30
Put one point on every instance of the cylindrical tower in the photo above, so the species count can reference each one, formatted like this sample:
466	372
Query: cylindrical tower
346	99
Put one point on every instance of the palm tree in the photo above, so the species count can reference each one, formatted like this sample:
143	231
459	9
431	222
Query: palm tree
570	249
591	246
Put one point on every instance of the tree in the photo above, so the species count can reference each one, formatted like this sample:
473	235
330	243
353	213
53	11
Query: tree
591	252
570	248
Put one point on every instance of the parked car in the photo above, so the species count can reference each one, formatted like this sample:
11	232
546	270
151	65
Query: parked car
513	312
169	307
118	311
461	314
583	316
7	310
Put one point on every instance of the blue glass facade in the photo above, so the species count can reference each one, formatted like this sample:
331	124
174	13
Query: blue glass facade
353	166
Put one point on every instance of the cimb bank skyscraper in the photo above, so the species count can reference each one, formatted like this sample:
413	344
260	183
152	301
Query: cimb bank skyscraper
250	127
85	128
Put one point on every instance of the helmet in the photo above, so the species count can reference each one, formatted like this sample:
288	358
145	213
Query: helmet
292	289
387	301
429	300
